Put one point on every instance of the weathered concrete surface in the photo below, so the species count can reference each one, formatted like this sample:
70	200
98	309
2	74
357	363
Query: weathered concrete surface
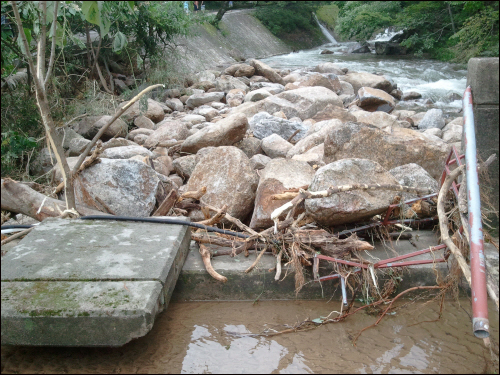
244	37
482	76
89	283
195	284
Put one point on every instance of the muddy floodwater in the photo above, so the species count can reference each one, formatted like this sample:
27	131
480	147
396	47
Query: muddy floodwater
208	337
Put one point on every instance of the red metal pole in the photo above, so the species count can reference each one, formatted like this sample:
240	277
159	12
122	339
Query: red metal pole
480	322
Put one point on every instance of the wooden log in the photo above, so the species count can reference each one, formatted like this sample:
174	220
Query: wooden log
167	204
19	198
205	256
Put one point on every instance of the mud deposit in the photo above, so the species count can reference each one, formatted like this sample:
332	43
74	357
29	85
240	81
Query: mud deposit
199	337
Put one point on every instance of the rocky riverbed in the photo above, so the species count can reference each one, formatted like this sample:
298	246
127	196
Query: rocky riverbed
250	131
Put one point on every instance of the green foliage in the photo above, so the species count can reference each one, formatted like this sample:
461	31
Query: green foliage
328	15
282	17
21	125
478	36
15	147
447	30
360	19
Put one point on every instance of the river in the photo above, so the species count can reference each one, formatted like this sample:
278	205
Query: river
439	82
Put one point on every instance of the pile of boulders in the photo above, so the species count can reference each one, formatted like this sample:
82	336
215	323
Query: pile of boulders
252	131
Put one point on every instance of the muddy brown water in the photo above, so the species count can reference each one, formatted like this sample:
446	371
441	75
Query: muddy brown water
208	337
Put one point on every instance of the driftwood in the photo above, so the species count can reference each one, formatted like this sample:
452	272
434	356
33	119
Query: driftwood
167	204
330	244
19	198
205	256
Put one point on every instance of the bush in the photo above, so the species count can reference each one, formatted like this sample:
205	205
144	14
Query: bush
288	18
21	126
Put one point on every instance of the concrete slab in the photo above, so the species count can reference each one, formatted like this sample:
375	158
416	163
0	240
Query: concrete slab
89	283
195	284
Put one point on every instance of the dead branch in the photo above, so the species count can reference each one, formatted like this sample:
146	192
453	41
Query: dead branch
87	163
194	194
256	261
390	305
342	188
167	204
235	221
443	222
19	198
205	256
216	218
17	235
113	119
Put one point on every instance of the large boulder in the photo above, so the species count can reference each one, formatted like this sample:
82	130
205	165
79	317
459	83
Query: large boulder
167	130
389	48
372	100
313	157
414	175
154	111
363	79
263	125
275	147
77	146
125	152
277	176
229	178
89	126
402	146
303	103
328	67
359	48
225	132
227	83
334	112
127	187
175	104
235	97
330	81
250	146
272	88
453	133
240	70
432	119
379	119
266	71
144	122
256	95
354	205
43	162
184	166
196	100
206	111
315	138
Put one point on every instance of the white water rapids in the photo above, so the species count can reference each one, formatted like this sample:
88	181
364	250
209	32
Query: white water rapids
442	83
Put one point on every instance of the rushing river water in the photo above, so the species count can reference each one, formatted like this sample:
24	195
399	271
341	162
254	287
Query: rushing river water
208	337
437	81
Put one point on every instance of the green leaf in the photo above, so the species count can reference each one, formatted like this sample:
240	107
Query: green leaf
317	321
120	42
90	10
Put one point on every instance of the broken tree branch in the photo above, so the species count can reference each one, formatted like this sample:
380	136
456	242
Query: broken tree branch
19	198
443	222
113	119
205	256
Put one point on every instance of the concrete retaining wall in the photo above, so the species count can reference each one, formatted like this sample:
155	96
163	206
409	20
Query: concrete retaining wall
482	76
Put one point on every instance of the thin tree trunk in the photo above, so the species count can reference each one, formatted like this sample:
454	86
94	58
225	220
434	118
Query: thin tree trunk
451	18
42	100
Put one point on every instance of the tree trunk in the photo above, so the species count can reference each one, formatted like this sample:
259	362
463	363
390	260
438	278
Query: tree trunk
20	198
220	13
